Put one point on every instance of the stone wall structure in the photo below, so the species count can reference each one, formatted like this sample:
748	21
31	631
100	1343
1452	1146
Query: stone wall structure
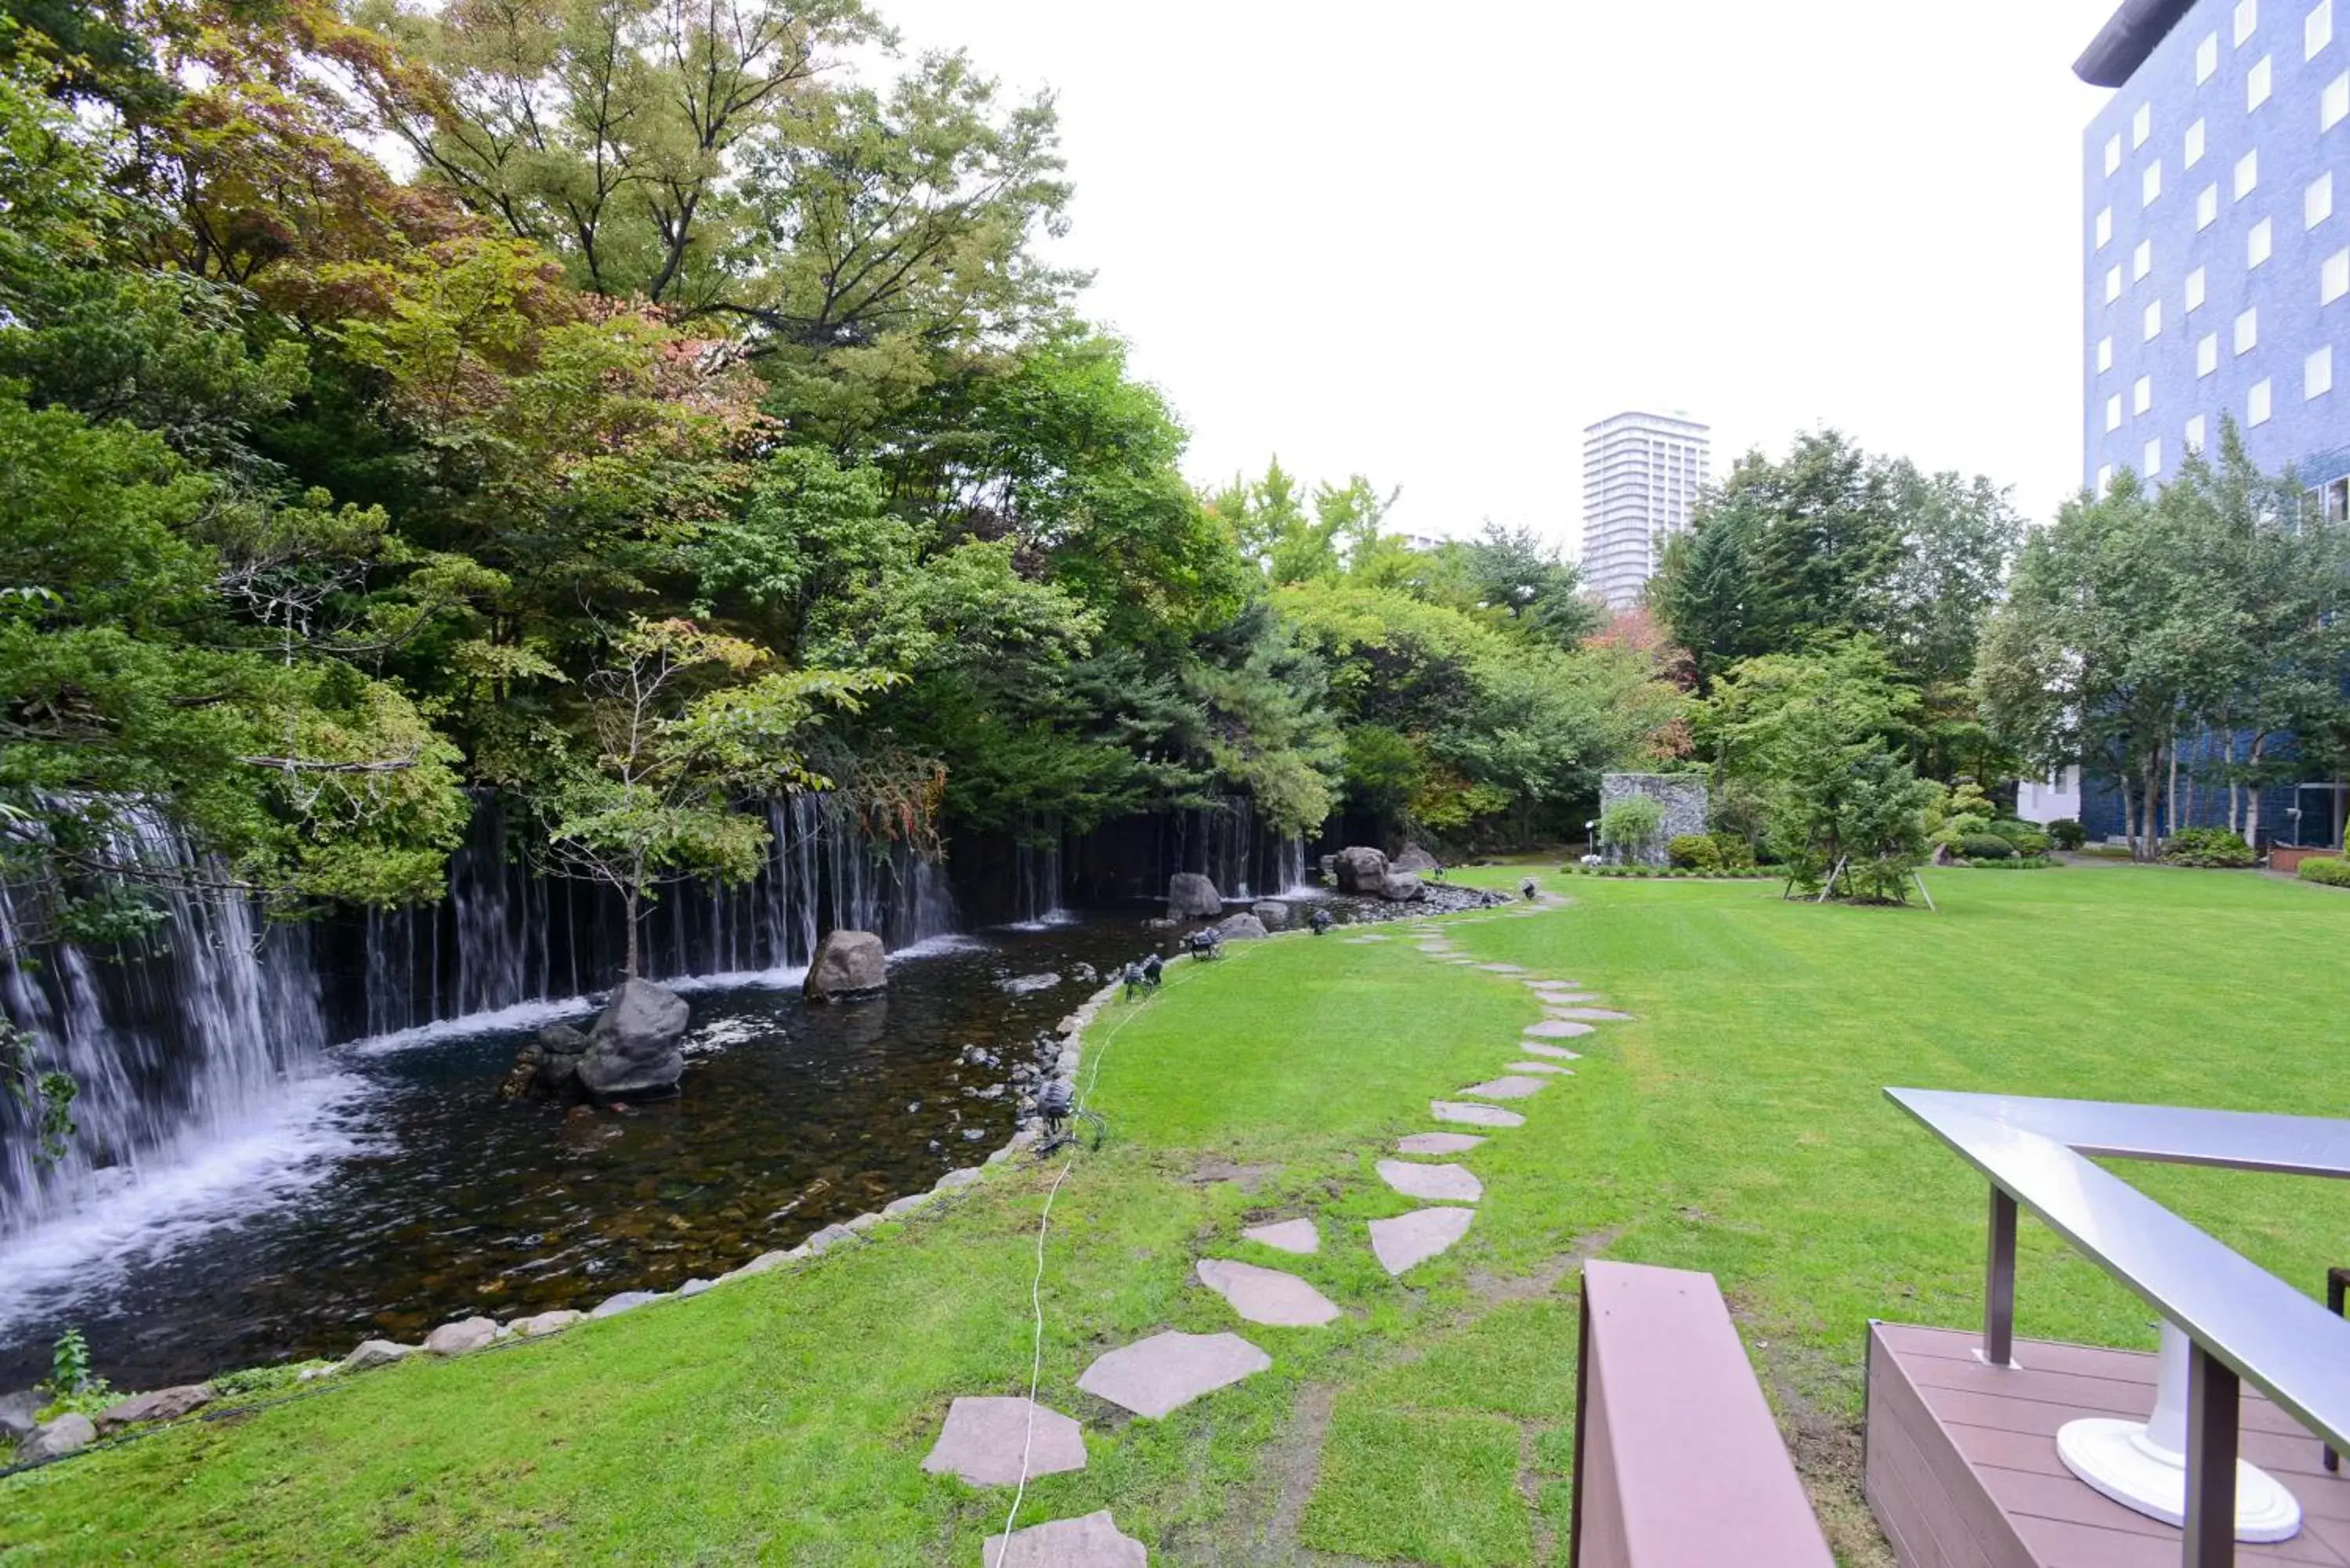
1682	797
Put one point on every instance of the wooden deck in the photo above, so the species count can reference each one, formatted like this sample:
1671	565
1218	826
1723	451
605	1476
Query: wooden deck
1962	1469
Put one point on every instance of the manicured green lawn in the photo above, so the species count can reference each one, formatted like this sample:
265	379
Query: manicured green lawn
1738	1127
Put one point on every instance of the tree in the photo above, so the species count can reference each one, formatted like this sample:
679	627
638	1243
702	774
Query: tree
1814	743
685	723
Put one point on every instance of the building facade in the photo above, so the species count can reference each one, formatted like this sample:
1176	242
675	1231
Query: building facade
2216	230
1641	477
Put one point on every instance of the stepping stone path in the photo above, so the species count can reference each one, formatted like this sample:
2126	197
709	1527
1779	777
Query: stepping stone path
1302	1237
1502	968
1092	1542
1474	1116
1554	986
1411	1239
1434	1143
1594	1014
1541	1067
1432	1183
1160	1374
1557	1029
1568	998
983	1439
1266	1295
1506	1088
1560	1051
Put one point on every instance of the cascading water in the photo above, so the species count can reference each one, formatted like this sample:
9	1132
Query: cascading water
208	1028
185	1041
1036	877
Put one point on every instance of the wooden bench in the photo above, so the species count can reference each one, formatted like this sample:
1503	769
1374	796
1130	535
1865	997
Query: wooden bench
1677	1461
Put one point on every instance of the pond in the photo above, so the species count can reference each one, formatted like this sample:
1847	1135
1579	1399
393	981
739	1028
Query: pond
395	1192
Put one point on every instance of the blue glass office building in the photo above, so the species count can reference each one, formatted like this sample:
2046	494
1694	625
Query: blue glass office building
2216	229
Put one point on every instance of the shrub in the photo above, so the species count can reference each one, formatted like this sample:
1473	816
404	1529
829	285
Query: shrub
1985	847
1630	824
2032	843
2012	863
2208	847
2334	873
1694	851
2010	830
1733	849
2067	834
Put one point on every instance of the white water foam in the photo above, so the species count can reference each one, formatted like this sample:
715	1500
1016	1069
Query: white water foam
498	1019
178	1195
931	947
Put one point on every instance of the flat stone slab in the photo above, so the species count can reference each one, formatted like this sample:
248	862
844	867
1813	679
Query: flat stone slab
1091	1541
1557	1029
1162	1374
1594	1014
1559	1051
1570	998
1437	1143
984	1437
1266	1295
1412	1238
1464	1115
1502	968
1542	1067
1302	1237
1506	1088
1432	1183
1554	984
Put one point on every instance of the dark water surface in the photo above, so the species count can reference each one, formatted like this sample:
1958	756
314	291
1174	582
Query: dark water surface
398	1192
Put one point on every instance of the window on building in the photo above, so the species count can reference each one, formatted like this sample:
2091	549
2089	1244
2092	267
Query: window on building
2334	278
2142	394
2141	260
2256	404
2151	324
2149	183
2206	355
2317	201
2105	478
2112	155
2317	373
2193	152
2195	291
2248	331
2316	29
2257	83
2153	464
2104	228
2114	412
2247	173
2207	206
2207	60
2337	501
2259	244
2333	106
2105	353
2141	125
2248	17
2196	432
2113	284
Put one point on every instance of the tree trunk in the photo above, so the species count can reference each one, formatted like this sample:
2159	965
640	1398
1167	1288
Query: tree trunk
2175	819
2151	842
2129	809
633	899
2252	789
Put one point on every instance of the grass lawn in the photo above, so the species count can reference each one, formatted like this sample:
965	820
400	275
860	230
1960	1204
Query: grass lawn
1737	1127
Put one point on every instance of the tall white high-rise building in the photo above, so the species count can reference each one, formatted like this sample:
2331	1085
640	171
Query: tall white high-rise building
1641	476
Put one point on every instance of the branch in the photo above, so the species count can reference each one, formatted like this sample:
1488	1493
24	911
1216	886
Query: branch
304	765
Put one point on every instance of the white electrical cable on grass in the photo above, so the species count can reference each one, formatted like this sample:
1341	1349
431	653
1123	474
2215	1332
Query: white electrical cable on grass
1037	1285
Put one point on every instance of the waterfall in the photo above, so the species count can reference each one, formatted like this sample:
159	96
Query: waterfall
202	1029
176	1042
1292	861
1036	876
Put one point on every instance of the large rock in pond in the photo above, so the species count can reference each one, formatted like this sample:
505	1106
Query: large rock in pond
1401	887
1191	897
1359	870
1241	928
162	1405
847	963
633	1050
20	1412
1412	858
1274	916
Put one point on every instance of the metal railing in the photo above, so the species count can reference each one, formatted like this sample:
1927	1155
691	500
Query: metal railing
2242	1322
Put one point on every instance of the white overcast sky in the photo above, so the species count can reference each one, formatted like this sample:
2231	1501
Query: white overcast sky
1430	243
